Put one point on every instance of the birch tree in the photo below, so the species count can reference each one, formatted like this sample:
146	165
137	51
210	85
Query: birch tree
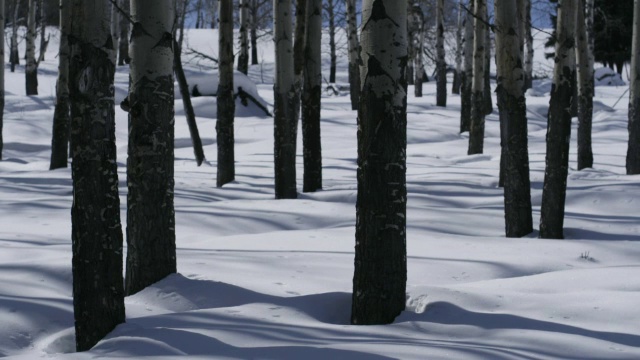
633	149
467	74
299	55
31	69
441	64
312	147
2	23
285	127
151	239
96	231
488	100
331	19
585	90
528	49
478	107
379	282
243	57
225	103
559	124
354	49
416	40
61	116
44	41
14	56
455	89
123	41
513	112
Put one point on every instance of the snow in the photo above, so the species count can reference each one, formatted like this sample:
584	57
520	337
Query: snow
266	279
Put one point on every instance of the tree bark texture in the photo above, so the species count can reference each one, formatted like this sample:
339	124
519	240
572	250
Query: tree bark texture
225	102
299	55
285	123
457	78
633	149
379	282
528	49
243	57
333	57
478	108
312	91
254	33
513	110
151	238
2	24
441	64
559	125
14	56
584	72
488	100
61	115
96	232
416	40
123	41
354	53
31	68
44	42
467	74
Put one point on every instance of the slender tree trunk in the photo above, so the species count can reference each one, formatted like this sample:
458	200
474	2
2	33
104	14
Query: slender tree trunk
467	74
333	57
585	91
488	100
419	67
478	105
254	33
2	23
31	69
96	232
225	101
379	281
151	235
513	110
415	34
199	22
123	42
213	7
115	26
44	42
441	65
14	56
61	115
285	127
633	149
457	77
354	50
529	52
243	58
312	149
559	125
299	55
411	50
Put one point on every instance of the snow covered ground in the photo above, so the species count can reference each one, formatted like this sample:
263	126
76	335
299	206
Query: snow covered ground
266	279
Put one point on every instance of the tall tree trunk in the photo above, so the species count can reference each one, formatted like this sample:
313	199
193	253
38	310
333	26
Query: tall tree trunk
199	22
2	23
354	49
299	51
441	64
96	231
585	91
457	81
61	116
14	56
467	74
312	149
379	281
44	42
213	8
559	125
151	237
415	35
188	106
633	149
488	100
478	107
226	103
285	127
115	26
333	57
31	69
419	67
513	110
123	44
243	57
528	50
254	32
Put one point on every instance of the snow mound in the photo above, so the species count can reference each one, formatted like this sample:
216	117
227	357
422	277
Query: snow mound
607	77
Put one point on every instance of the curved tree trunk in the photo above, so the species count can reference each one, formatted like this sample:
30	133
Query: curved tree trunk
96	231
633	149
354	48
151	238
513	112
243	57
61	116
225	102
559	125
31	69
123	41
467	74
441	64
478	107
379	281
585	91
286	127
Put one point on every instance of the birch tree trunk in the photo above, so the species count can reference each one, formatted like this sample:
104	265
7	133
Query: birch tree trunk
299	55
14	56
226	103
332	40
61	116
285	127
379	282
585	91
467	74
529	52
31	69
243	57
354	49
123	42
151	238
441	64
488	100
633	149
2	23
513	112
44	42
455	89
476	131
96	232
312	148
254	32
559	125
416	40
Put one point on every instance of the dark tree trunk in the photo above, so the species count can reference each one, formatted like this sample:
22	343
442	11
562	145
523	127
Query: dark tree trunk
585	92
488	100
467	74
332	42
379	282
31	68
61	115
633	149
441	65
123	43
151	239
96	232
225	102
354	54
478	101
299	51
243	57
457	82
14	56
254	35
